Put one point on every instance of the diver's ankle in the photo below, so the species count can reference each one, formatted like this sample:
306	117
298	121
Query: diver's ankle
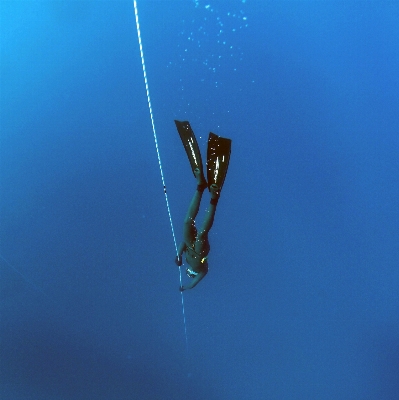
214	201
202	186
201	182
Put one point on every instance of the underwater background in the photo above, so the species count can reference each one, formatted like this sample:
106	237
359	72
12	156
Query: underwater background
301	300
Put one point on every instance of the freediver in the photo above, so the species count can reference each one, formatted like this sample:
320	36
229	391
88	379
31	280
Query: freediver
196	243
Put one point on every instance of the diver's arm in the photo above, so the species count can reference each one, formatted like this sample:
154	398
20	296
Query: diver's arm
194	281
181	248
178	259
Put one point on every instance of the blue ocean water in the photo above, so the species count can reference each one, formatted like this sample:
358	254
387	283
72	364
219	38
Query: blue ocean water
301	300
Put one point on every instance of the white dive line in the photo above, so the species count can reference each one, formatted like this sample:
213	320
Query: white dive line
159	157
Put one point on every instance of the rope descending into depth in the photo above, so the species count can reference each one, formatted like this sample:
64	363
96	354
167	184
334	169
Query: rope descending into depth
159	157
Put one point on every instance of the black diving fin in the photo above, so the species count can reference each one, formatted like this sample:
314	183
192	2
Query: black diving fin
190	144
218	158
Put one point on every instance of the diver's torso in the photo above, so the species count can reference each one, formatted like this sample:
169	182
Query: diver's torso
196	257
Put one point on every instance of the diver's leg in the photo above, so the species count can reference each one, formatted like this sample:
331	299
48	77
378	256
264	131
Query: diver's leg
189	231
193	207
196	200
210	212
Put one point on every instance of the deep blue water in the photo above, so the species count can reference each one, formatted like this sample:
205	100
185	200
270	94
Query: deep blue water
301	300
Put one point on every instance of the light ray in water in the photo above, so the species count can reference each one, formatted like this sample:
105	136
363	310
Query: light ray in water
22	276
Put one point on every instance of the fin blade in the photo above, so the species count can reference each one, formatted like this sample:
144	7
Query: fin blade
190	144
218	158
